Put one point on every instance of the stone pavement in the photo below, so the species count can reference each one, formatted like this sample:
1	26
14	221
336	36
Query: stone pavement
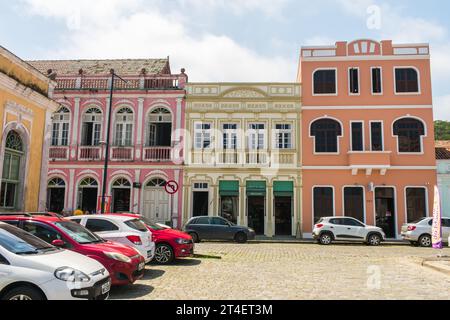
294	271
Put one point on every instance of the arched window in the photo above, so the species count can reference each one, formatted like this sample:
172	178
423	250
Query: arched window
409	132
92	126
11	181
60	131
88	195
160	128
406	80
121	194
326	133
124	128
56	193
155	183
89	183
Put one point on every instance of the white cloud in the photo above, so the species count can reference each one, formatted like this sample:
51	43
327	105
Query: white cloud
442	108
141	32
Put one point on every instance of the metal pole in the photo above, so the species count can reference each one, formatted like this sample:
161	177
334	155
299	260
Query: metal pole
108	138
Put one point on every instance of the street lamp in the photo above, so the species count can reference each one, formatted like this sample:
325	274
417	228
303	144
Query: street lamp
108	139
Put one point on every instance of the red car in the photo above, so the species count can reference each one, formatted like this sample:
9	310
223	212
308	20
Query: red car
124	263
170	244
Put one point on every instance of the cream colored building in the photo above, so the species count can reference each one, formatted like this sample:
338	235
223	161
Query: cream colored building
243	154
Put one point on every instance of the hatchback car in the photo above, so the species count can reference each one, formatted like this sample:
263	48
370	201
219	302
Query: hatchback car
122	229
331	229
32	269
217	228
125	264
170	244
419	232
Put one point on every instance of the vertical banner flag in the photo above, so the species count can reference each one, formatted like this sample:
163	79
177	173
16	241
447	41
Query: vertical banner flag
437	221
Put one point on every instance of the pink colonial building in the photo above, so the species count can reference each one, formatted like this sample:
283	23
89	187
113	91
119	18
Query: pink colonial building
146	136
368	136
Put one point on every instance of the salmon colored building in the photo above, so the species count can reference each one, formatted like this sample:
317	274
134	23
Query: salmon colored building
368	136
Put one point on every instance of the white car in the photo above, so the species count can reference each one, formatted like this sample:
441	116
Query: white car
419	232
121	229
31	269
332	229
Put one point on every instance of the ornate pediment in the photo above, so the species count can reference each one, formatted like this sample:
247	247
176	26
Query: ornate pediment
244	94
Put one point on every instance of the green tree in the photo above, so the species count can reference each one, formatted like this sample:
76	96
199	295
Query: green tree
442	130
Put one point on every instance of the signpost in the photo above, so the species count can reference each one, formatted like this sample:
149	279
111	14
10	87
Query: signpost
172	188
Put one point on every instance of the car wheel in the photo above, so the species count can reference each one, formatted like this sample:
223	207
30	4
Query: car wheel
241	237
374	240
425	241
164	254
326	239
195	237
24	293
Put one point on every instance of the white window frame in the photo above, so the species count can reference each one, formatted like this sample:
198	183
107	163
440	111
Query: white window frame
232	132
363	135
381	81
349	83
427	206
252	133
124	123
336	82
312	202
382	135
283	132
338	137
422	151
61	122
395	205
364	200
419	82
203	134
96	122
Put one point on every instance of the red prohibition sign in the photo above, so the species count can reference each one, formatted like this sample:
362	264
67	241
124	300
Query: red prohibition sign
172	187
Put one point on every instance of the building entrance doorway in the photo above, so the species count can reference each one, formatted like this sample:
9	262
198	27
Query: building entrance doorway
256	208
283	216
201	203
87	195
385	211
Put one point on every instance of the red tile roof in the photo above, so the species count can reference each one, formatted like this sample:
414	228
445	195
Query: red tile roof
442	154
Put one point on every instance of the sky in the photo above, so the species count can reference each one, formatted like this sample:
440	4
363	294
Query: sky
223	40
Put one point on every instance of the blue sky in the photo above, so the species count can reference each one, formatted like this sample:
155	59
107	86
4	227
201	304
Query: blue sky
222	40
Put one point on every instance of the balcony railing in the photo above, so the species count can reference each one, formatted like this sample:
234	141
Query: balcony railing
59	153
89	153
122	153
157	154
259	157
241	158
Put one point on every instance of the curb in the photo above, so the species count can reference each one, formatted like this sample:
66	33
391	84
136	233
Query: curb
437	264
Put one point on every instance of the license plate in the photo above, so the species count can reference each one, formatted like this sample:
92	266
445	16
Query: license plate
106	287
141	266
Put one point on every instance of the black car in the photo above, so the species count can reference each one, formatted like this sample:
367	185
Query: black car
217	228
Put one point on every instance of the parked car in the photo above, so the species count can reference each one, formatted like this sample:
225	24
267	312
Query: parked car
419	232
331	229
122	229
125	264
170	244
217	228
32	269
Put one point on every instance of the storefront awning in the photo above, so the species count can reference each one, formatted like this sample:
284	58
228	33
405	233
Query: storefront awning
283	189
229	188
256	188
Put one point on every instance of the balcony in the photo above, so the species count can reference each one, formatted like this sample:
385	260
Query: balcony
122	153
158	154
259	157
244	158
89	153
369	160
59	153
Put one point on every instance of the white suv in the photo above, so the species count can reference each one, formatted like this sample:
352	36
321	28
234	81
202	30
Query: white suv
121	229
332	229
31	269
419	232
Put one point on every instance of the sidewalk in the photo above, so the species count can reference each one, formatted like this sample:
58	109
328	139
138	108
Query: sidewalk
438	264
293	240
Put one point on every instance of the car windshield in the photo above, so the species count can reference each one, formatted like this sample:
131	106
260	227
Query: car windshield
20	242
418	221
136	224
78	233
151	224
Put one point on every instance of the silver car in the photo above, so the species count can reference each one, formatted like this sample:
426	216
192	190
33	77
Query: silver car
419	232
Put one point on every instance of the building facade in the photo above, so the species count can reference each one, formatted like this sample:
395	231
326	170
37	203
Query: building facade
25	112
367	133
443	171
146	150
243	154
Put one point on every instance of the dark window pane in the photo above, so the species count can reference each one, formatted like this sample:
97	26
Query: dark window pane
377	136
137	225
325	82
203	220
326	133
406	80
376	80
354	80
409	132
357	137
323	203
354	202
96	225
41	231
416	204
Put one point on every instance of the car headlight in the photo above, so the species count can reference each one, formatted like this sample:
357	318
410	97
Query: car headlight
118	256
71	275
183	241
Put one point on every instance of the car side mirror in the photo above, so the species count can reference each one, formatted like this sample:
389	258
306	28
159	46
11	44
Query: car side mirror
58	243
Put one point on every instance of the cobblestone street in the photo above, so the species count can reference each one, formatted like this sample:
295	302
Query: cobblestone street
294	271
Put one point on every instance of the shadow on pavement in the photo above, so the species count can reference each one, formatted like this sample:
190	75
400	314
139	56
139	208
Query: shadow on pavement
152	274
178	263
134	291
